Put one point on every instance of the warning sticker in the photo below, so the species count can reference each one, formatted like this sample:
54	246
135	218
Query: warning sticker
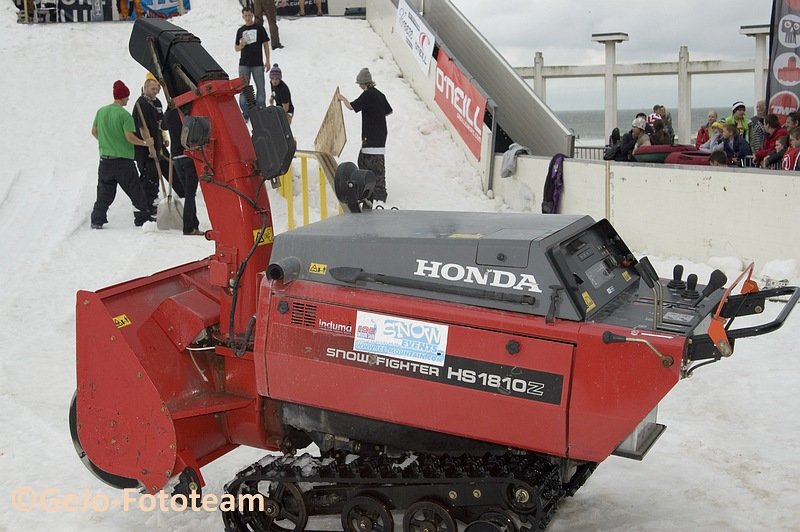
122	321
266	238
316	267
626	276
589	301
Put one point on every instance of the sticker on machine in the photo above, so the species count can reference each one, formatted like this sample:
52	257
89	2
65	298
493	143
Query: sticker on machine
401	338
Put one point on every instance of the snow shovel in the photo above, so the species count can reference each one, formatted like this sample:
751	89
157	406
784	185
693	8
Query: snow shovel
170	210
169	213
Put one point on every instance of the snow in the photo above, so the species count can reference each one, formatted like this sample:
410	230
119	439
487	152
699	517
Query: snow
729	460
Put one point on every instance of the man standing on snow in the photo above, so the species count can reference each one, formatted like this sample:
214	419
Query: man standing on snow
250	38
375	109
187	174
148	107
113	128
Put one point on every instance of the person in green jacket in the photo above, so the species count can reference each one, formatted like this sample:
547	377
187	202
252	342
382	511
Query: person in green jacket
113	128
738	119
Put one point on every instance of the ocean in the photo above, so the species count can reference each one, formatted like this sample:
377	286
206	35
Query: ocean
589	126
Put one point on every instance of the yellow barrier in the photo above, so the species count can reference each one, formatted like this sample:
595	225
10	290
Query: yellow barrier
286	189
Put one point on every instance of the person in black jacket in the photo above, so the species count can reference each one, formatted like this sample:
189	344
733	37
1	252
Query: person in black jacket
148	106
736	146
281	95
187	174
374	108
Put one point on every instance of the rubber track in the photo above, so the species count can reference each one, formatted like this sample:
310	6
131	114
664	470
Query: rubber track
413	471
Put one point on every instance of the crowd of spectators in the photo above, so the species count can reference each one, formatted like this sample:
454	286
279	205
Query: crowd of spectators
760	141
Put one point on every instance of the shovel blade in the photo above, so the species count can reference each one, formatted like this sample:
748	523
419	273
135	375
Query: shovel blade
169	214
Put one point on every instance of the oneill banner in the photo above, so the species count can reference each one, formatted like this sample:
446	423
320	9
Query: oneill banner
413	31
460	101
783	83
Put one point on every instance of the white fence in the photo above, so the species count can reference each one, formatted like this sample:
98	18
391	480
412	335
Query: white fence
685	211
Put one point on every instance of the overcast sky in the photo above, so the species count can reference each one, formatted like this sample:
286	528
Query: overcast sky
562	32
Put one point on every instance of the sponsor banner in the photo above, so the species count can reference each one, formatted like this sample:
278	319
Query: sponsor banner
460	101
105	10
291	8
86	11
783	81
402	338
413	31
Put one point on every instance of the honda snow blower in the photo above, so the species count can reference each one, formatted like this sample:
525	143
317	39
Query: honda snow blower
456	367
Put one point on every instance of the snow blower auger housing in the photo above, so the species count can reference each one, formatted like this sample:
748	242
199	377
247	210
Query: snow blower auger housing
454	366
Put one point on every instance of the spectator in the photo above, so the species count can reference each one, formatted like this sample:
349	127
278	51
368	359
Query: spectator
375	109
792	121
660	135
647	127
281	95
773	160
317	3
655	115
718	158
736	147
113	128
266	9
666	117
250	39
124	9
773	129
737	118
704	133
757	126
790	158
716	142
633	139
147	115
187	174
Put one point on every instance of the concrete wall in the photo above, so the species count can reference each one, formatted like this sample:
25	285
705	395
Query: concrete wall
670	210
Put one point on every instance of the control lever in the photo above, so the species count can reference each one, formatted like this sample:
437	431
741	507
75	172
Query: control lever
715	282
677	283
648	273
611	338
691	287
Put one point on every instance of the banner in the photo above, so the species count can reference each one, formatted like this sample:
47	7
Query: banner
783	82
291	8
103	10
413	31
460	102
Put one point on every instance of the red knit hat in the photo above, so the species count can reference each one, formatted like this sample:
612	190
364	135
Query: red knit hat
120	90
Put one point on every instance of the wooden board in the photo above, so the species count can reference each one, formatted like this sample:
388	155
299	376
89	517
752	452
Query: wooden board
332	136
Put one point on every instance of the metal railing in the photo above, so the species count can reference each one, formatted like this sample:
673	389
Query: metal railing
590	153
322	185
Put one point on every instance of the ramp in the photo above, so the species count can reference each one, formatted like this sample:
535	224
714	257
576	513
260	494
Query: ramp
520	112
